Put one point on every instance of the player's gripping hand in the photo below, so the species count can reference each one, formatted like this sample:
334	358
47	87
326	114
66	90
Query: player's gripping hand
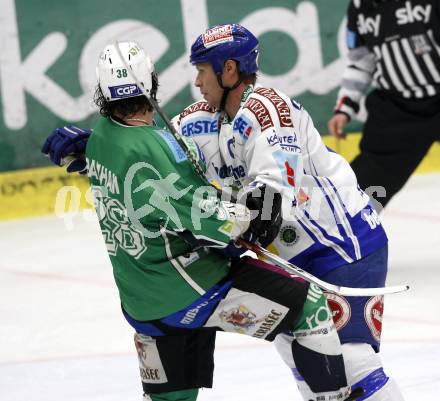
265	204
66	146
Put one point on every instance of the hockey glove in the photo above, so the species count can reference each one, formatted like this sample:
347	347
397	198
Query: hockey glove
265	204
67	146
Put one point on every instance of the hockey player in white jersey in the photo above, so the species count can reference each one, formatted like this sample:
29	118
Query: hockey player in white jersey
329	228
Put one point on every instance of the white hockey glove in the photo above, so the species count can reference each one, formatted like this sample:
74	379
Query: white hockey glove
238	214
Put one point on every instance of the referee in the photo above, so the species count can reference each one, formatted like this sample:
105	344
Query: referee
394	46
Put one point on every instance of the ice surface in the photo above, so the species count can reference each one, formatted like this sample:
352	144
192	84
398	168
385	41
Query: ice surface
63	338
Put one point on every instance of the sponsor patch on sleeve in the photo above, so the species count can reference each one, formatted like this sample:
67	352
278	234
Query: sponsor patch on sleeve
259	110
175	148
287	164
281	107
287	142
199	126
198	106
243	126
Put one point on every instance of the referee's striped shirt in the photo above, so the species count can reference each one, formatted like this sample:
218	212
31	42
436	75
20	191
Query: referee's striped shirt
394	46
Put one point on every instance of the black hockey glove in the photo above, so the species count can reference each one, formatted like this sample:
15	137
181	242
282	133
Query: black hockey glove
265	206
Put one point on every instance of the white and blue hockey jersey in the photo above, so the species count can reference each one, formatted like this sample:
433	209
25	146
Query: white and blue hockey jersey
327	220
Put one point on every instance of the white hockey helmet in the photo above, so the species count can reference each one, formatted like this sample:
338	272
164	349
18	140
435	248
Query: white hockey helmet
113	78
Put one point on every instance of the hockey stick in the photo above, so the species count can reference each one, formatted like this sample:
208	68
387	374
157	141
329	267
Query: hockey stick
336	289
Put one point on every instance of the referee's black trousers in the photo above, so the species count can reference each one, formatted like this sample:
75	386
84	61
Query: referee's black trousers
397	135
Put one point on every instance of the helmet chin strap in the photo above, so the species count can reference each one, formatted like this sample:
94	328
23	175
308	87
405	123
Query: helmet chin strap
226	91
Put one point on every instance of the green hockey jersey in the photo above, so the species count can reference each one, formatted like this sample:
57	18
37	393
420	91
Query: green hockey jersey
146	195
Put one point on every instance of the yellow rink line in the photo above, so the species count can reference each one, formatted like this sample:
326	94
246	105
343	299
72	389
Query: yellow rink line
33	192
349	148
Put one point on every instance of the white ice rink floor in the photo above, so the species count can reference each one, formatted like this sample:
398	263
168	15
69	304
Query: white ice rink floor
63	338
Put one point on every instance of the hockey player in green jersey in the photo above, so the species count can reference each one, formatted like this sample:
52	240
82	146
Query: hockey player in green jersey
167	235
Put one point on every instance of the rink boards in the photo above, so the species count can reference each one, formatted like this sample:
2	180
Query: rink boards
36	192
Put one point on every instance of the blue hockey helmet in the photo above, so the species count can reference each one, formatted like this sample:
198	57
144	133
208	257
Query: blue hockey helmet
226	42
